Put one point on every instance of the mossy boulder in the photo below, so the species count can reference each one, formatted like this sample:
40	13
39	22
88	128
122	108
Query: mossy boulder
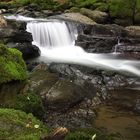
12	66
17	125
90	133
95	15
30	103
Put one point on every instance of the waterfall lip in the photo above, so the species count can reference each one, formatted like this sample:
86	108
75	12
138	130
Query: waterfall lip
29	19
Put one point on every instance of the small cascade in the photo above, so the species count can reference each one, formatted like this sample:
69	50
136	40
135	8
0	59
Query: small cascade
118	44
51	34
56	40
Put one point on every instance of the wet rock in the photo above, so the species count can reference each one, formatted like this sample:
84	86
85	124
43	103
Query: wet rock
21	37
28	50
41	80
65	94
105	30
137	106
96	44
129	50
100	38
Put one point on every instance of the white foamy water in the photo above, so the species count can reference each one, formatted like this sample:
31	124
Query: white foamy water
76	55
22	18
50	34
56	42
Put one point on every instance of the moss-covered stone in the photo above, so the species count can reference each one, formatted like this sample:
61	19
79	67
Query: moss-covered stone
12	66
89	133
30	103
17	125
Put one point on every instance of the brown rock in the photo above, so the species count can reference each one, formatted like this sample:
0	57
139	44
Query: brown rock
3	22
57	134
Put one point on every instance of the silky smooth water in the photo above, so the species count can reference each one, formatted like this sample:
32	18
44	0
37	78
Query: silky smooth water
56	42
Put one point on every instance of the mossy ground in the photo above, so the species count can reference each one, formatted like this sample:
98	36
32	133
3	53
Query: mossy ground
88	133
12	66
17	125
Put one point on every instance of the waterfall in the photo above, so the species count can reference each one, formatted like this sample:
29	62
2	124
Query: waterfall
51	34
118	44
56	41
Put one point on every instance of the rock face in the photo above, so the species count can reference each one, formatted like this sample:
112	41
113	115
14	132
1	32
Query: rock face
133	31
28	50
97	16
103	38
99	38
16	36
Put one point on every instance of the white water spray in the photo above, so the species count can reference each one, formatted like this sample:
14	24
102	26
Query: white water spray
56	43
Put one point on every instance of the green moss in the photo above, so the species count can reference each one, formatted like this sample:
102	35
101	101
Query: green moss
30	103
86	3
14	124
74	9
12	66
78	136
86	134
101	7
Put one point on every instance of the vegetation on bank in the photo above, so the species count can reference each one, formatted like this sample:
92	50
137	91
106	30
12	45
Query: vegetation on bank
117	9
89	133
12	66
29	103
17	125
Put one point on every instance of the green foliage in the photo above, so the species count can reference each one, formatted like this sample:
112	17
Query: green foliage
85	3
22	2
78	136
12	66
86	134
101	6
74	9
30	103
14	125
43	4
127	9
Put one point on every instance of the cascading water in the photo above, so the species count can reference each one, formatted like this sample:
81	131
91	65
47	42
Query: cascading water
50	34
56	43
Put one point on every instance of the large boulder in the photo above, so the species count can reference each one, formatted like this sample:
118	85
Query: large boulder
74	17
28	50
58	94
21	37
133	31
65	94
97	16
